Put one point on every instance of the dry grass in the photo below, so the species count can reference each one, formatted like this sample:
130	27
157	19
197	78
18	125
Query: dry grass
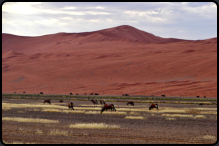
91	104
21	111
172	110
89	108
93	126
186	110
65	104
170	118
39	131
35	110
25	130
206	137
163	110
130	106
114	113
199	116
210	112
6	108
205	108
19	142
92	112
193	111
65	111
51	110
134	117
34	120
178	115
202	112
133	113
209	137
134	109
13	105
59	132
169	110
73	111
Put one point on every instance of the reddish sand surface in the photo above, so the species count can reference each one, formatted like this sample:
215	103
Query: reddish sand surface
112	61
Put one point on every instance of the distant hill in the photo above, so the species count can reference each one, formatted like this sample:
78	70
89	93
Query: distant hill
111	61
120	33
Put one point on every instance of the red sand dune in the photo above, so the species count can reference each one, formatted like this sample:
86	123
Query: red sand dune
112	61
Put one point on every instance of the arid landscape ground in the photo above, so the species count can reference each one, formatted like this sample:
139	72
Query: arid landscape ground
30	121
112	61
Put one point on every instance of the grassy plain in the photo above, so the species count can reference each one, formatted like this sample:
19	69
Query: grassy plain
23	119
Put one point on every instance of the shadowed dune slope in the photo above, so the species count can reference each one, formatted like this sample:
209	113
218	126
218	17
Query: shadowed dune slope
112	61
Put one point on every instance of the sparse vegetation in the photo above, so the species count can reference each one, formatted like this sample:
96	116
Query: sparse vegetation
134	109
92	112
21	111
206	137
34	120
59	132
73	111
85	114
6	108
83	97
199	116
178	115
39	131
89	108
19	142
114	113
133	113
93	126
26	105
209	137
134	117
51	110
169	118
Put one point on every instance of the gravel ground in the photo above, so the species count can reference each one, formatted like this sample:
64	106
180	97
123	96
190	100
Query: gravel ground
154	128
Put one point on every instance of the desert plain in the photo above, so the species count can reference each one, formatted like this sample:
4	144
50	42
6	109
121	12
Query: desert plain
30	121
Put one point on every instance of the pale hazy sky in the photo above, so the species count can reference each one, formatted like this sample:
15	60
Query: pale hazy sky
184	20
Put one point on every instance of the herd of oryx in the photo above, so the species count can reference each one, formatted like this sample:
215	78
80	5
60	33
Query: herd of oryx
105	107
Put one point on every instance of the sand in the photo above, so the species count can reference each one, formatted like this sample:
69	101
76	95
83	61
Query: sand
112	61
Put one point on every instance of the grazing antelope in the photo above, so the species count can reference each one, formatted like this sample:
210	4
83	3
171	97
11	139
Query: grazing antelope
130	102
108	106
102	102
201	104
47	100
70	105
125	94
153	106
94	101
